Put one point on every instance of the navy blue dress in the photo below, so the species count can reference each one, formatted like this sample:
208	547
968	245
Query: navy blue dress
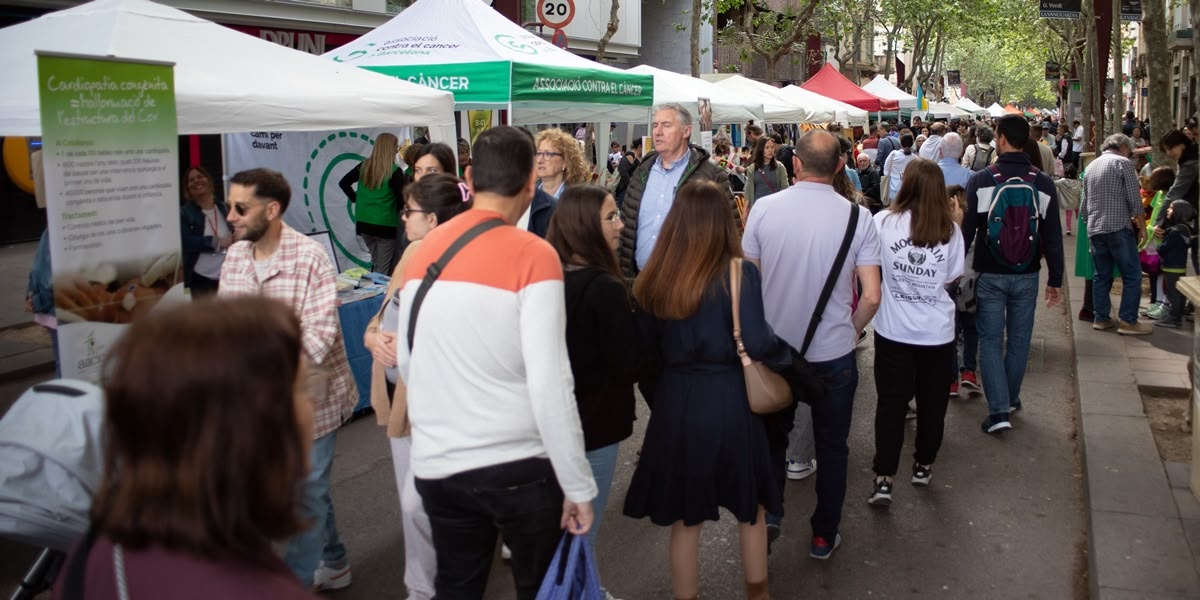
704	449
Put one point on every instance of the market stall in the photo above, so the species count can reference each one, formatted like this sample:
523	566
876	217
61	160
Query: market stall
778	108
727	107
942	110
830	83
843	113
995	110
969	106
883	88
490	63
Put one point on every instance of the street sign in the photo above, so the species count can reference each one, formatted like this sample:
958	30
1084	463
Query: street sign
1053	71
1131	10
1060	9
556	14
559	39
953	78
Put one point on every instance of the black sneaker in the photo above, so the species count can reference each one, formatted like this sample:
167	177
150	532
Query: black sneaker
921	474
882	494
1014	408
996	424
773	533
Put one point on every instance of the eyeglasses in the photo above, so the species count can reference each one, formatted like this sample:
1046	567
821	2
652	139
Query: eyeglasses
548	155
407	212
613	219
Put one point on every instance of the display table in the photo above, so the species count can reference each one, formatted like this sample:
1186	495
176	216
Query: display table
355	311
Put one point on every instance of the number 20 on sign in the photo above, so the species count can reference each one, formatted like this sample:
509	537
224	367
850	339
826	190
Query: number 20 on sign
556	14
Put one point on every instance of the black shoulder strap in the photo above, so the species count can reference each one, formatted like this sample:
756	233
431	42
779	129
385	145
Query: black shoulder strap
73	582
831	281
435	270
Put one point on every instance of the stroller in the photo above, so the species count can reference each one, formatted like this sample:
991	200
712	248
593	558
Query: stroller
51	463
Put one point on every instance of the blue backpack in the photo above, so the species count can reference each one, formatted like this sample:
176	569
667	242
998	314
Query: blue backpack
1013	219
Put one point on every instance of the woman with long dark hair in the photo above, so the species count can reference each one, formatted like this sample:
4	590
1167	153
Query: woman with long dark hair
704	449
430	201
914	328
207	433
601	336
380	185
765	175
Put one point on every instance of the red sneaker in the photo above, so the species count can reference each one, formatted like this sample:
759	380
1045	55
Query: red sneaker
970	381
953	389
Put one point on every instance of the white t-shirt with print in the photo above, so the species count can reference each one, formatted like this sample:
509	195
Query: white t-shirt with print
916	308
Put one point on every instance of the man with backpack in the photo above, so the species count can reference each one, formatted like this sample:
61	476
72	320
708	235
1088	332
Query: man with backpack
887	145
1012	214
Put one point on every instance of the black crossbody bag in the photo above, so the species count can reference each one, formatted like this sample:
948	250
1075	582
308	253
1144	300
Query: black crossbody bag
435	270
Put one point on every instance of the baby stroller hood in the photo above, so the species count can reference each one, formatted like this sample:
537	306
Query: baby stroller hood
51	463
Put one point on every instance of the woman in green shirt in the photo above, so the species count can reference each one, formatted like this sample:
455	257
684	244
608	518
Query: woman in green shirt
380	182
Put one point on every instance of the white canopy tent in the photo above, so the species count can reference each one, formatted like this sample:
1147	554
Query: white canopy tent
942	110
727	107
225	81
883	88
969	106
778	108
488	62
843	113
996	110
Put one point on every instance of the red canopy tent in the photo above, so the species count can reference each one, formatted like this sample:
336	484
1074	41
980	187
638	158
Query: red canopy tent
831	84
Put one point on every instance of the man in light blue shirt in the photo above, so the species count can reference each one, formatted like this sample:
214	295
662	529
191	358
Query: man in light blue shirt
949	154
651	191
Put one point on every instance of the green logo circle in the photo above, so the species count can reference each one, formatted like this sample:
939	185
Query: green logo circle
512	43
318	194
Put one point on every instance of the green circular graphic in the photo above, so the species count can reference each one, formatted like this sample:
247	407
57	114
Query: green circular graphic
511	42
320	190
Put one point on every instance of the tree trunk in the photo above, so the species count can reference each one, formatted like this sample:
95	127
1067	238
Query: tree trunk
614	22
1158	69
697	10
1118	70
771	68
1087	71
856	55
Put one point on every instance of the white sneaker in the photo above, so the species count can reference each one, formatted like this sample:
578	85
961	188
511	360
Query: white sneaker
325	578
800	470
505	553
608	596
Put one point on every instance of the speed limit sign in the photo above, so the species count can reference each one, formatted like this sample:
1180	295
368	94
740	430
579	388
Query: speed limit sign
556	14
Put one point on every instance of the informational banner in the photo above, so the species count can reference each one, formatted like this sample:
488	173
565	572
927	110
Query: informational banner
1131	10
1060	9
110	149
953	77
313	162
480	121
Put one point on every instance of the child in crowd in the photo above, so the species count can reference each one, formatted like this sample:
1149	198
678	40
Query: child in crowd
1157	184
963	293
1173	251
1069	188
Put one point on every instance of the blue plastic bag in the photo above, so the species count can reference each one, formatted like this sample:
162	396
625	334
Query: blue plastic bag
572	574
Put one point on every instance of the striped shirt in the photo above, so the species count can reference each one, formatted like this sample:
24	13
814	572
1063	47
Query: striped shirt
301	276
489	380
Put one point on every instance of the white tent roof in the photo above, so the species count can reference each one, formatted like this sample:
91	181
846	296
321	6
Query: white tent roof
969	106
727	107
996	110
883	88
843	113
778	108
941	110
489	62
225	80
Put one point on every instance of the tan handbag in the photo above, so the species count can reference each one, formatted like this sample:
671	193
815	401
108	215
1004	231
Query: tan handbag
767	390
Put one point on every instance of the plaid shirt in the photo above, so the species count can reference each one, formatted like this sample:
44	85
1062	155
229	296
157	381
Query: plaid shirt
1111	195
302	277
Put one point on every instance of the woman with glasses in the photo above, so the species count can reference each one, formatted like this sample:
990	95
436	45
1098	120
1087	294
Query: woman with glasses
432	200
704	449
601	339
380	182
559	163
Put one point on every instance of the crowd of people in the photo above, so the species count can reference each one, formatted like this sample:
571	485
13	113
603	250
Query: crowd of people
528	308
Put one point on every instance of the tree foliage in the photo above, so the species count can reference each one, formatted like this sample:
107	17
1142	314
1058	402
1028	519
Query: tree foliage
769	34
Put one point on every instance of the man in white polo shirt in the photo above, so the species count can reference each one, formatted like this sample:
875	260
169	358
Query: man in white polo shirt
794	236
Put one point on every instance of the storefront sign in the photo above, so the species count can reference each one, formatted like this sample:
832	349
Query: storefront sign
1060	9
312	42
1053	71
1131	10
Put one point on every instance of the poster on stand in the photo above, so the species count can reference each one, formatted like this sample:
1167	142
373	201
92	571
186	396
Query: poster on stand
110	148
314	163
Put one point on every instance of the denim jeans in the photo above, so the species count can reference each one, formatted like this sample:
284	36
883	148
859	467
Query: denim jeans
604	466
831	429
1004	302
320	541
1118	248
519	500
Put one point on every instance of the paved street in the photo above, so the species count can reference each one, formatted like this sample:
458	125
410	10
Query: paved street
1003	518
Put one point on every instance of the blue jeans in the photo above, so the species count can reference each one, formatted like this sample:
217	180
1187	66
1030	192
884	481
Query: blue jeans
964	324
604	465
320	541
831	429
1118	248
1004	303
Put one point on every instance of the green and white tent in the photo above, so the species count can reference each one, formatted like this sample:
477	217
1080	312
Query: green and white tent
488	62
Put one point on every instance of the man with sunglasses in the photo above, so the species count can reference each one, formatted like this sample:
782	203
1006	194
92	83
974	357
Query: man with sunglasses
273	260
